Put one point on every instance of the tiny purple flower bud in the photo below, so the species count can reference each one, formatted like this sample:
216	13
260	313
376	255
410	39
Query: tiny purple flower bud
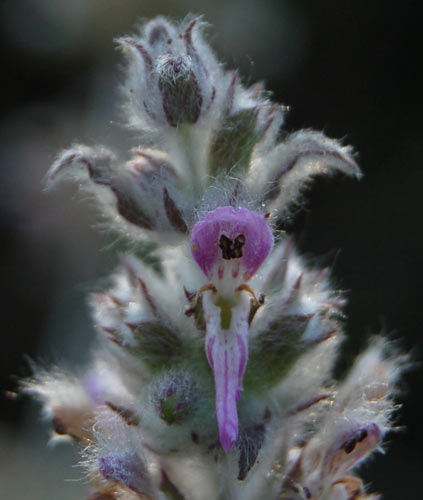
127	469
175	397
236	236
95	386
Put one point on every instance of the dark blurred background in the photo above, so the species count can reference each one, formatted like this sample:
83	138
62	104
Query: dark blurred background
349	68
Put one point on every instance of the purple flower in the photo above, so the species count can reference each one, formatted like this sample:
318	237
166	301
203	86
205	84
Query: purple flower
229	245
232	236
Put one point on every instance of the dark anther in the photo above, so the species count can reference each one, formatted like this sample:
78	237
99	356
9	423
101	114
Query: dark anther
231	250
225	244
361	435
239	243
350	445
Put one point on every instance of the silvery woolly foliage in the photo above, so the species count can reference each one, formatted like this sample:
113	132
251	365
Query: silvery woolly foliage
212	377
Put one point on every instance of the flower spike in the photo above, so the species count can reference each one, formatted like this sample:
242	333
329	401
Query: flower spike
158	414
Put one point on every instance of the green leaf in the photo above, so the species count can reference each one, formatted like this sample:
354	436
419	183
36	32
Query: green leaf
157	345
234	142
274	352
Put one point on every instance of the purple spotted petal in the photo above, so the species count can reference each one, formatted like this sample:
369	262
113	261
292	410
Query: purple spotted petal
227	354
231	223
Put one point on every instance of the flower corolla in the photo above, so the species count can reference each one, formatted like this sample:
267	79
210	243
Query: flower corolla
229	246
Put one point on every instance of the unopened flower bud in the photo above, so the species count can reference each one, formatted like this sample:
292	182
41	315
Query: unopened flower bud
182	99
175	397
127	469
172	79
